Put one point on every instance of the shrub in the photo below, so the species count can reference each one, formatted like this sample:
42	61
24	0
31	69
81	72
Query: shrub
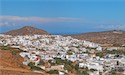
36	68
14	52
42	62
69	53
59	61
113	73
33	67
53	72
100	54
68	62
68	67
52	63
116	52
77	67
4	48
117	45
82	73
31	64
100	73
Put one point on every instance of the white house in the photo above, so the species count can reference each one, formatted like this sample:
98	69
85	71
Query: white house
95	66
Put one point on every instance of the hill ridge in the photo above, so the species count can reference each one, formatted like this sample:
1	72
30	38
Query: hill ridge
27	30
103	37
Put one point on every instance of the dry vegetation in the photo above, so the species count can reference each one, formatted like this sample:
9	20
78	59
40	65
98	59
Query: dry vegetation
107	37
11	63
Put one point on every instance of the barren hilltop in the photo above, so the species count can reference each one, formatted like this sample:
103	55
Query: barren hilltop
105	37
27	30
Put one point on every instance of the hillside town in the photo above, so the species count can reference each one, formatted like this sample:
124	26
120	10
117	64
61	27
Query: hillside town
66	55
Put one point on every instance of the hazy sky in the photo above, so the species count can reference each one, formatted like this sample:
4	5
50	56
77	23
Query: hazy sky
63	16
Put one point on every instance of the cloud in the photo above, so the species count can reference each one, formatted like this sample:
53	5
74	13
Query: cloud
35	20
121	26
18	20
22	21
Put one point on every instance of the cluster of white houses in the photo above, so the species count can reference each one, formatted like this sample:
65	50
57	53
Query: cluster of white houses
47	47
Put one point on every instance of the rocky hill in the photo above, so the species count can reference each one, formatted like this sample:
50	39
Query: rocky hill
105	37
27	30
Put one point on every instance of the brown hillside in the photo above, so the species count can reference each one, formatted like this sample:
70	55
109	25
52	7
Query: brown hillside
106	37
11	64
27	30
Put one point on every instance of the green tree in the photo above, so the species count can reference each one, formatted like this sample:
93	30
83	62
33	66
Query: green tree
33	67
53	72
77	67
68	67
59	61
100	54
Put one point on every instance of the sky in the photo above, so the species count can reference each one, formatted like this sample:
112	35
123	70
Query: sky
63	16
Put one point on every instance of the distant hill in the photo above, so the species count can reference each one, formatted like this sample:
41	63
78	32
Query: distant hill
105	37
27	30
